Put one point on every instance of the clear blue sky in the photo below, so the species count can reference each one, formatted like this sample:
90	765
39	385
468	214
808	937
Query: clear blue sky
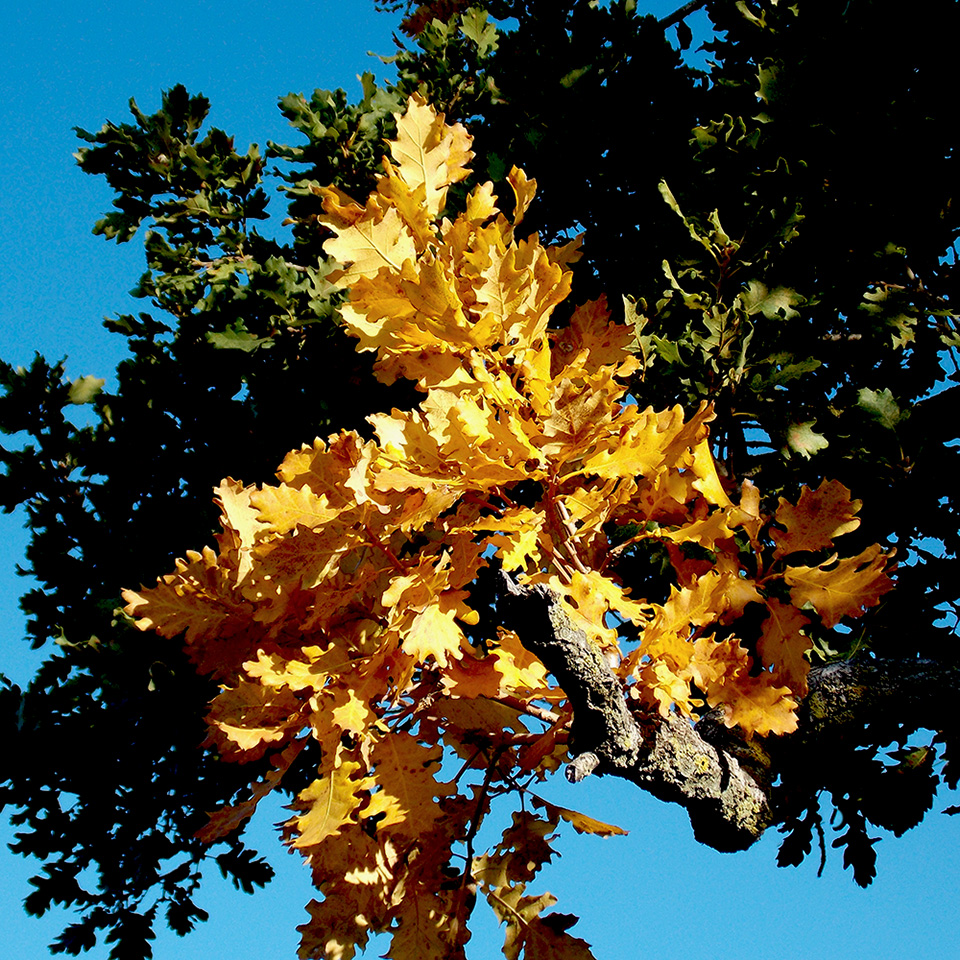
655	893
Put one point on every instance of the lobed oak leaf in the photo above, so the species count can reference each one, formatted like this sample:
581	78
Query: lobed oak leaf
430	154
747	514
783	646
468	722
754	703
524	191
341	210
803	439
369	245
708	482
664	683
311	673
349	709
409	203
578	418
297	564
545	938
566	254
284	508
642	445
590	340
707	531
431	632
330	802
426	929
333	469
241	526
521	673
245	719
819	516
335	929
407	786
481	203
178	606
515	534
843	588
504	285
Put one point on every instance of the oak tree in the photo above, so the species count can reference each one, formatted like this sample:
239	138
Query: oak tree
606	518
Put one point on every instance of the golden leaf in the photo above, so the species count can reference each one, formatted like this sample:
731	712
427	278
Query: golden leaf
754	703
226	820
819	517
329	802
783	646
407	787
284	508
579	821
524	191
430	154
245	719
369	245
841	588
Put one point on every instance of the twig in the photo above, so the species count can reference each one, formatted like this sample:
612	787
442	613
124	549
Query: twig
692	7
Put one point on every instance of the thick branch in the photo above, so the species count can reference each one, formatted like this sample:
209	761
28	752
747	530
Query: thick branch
727	807
846	696
721	779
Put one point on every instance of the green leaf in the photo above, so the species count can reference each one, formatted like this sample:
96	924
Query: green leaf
803	439
474	26
773	304
882	407
237	337
84	389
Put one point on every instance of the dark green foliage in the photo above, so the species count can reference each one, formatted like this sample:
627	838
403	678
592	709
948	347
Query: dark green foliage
783	228
230	365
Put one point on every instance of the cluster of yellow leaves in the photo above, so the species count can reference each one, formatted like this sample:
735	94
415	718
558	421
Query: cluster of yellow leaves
336	611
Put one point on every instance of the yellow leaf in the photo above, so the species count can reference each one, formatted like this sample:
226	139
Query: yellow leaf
195	602
783	646
843	588
329	802
430	154
284	508
524	191
407	787
369	245
432	633
481	203
747	514
246	718
754	703
335	929
226	820
579	821
591	340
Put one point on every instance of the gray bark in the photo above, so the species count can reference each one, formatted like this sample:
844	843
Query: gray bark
719	777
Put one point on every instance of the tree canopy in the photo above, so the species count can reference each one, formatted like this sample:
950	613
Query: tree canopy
593	532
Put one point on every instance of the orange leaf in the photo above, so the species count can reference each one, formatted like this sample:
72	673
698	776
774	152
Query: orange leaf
783	647
404	774
843	588
818	517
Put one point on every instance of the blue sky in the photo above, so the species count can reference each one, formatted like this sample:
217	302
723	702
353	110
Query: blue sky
655	892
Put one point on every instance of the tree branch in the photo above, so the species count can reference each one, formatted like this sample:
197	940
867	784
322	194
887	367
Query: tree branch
727	807
692	7
720	778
